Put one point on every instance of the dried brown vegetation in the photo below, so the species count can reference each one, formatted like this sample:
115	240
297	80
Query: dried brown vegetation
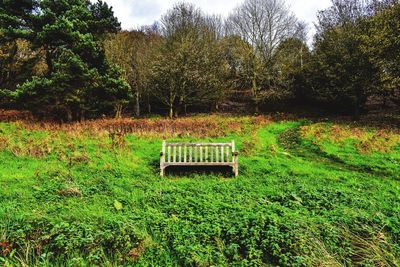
366	140
209	126
40	139
70	191
14	115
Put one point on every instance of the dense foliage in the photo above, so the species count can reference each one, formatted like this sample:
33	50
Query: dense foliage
69	60
346	69
382	46
308	194
187	70
78	80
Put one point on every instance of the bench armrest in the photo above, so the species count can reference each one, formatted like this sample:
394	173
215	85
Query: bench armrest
236	153
161	153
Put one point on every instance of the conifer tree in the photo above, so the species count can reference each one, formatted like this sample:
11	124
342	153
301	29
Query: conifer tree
79	81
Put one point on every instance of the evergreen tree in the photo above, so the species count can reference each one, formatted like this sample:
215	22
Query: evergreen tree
79	81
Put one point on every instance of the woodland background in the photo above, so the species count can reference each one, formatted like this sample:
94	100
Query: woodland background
70	60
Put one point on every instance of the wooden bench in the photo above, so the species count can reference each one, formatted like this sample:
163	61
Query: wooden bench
199	154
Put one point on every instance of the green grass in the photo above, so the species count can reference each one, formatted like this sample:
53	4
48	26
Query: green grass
302	199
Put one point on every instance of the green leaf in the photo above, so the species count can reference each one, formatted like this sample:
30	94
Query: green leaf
118	205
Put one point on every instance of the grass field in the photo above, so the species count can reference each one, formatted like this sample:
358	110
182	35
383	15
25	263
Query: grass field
308	194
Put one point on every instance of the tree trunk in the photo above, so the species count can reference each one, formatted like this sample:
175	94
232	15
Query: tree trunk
255	94
301	57
216	106
357	109
148	103
69	115
137	104
171	111
82	116
118	111
49	61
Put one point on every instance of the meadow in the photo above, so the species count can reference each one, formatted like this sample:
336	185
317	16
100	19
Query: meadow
309	193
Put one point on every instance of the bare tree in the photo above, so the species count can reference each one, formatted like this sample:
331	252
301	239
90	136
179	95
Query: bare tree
301	32
216	25
186	71
131	51
348	12
264	24
121	49
182	18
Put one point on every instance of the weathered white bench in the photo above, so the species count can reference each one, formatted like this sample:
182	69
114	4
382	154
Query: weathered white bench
199	154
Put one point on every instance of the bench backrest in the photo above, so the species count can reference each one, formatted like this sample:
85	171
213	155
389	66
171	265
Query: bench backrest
198	152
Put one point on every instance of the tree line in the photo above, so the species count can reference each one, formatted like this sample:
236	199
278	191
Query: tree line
70	60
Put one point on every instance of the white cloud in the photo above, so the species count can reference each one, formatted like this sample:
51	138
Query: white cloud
134	13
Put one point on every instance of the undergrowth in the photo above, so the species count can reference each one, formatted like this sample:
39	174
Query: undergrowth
308	194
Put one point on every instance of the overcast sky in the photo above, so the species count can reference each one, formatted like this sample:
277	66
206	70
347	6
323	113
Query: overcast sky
135	13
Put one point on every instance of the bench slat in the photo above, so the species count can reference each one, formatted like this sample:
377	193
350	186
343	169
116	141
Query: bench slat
199	144
199	154
199	164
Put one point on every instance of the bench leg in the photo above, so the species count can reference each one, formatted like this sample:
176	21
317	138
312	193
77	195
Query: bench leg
235	170
162	171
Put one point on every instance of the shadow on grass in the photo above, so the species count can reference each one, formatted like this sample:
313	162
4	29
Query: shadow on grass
290	140
216	171
200	170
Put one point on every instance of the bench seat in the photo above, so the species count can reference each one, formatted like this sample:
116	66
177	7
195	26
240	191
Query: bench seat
199	154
